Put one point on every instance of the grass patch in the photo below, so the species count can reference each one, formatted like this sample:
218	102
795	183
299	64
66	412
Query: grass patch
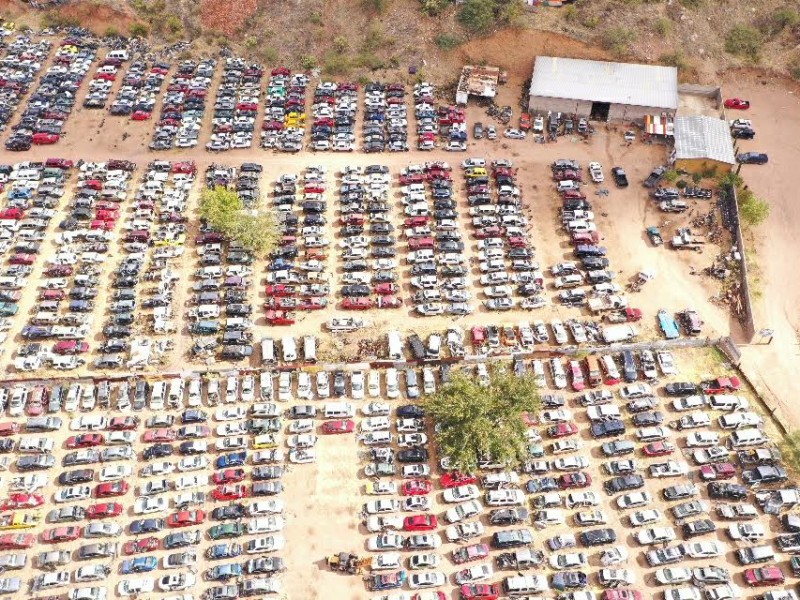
269	55
111	32
691	3
376	6
675	59
336	64
783	18
55	19
308	62
315	17
662	26
447	42
571	14
618	40
745	41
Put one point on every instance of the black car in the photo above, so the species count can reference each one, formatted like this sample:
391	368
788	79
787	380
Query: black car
77	476
140	526
680	388
649	418
181	539
413	455
265	473
236	352
718	490
623	483
607	429
752	158
743	133
512	538
194	415
233	511
587	250
508	516
112	331
620	178
157	451
349	291
303	411
629	366
698	527
339	382
410	411
764	474
542	485
598	537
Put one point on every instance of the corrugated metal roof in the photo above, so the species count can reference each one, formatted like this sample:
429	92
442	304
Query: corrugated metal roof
703	137
617	83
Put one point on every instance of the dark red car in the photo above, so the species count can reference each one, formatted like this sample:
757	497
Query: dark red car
280	290
59	163
56	535
737	103
126	423
480	591
71	347
717	471
416	487
141	115
384	289
186	518
312	304
85	440
160	435
44	138
229	476
17	541
563	429
569	481
343	426
658	449
420	523
764	576
280	317
111	489
357	304
104	510
138	546
229	492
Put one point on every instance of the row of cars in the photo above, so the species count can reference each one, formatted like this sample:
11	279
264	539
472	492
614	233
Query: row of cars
334	112
285	114
236	106
385	118
184	106
50	104
140	89
23	60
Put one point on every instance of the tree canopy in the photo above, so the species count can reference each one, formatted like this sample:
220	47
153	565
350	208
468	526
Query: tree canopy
476	422
224	210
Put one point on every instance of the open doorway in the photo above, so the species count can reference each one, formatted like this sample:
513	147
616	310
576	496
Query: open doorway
600	111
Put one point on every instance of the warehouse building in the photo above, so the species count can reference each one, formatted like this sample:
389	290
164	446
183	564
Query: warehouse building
602	90
703	144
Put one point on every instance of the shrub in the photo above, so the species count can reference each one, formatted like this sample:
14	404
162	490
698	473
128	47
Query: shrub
662	26
269	55
378	6
744	40
752	209
691	3
341	44
779	20
671	176
681	184
336	64
111	32
730	179
55	19
139	30
571	14
591	22
618	40
315	17
433	8
173	24
675	59
374	39
447	42
696	178
308	62
794	67
477	15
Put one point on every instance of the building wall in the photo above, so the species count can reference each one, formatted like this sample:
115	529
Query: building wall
583	108
699	165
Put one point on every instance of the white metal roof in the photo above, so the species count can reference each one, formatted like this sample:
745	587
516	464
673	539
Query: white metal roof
699	136
598	81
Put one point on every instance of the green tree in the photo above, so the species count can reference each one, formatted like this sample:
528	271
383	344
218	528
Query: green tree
224	210
477	15
477	421
752	209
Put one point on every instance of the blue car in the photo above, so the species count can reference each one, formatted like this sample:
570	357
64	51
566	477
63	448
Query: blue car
668	325
220	551
146	526
140	564
236	459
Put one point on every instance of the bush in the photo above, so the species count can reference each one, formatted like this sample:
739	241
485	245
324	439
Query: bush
752	209
477	15
730	179
315	17
174	24
111	32
681	184
378	6
308	62
696	178
591	22
336	64
781	19
433	8
55	19
447	42
675	59
139	30
269	55
794	67
671	176
571	14
691	3
618	40
341	44
744	40
662	26
374	39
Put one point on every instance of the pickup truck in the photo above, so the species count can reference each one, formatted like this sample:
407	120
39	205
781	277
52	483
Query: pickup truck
607	303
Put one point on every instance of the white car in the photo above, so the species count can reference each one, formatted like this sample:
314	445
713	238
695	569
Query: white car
673	575
705	549
702	439
304	390
636	390
596	172
655	535
374	383
461	493
376	409
357	385
273	506
375	523
587	498
381	488
634	500
645	517
115	472
571	463
301	426
464	531
426	579
185	482
465	510
411	440
269	524
134	587
270	543
305	440
670	468
514	134
375	424
177	582
565	446
248	388
559	331
73	494
474	574
385	542
570	560
386	561
230	413
376	507
689	403
285	386
323	384
193	463
417	504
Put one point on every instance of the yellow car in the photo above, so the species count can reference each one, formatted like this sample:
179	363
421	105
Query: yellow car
265	440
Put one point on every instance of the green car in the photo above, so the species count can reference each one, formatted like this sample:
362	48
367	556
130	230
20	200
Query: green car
8	309
227	530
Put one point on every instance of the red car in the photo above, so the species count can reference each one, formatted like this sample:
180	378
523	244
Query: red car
412	178
717	471
416	221
12	213
22	501
104	510
453	479
138	546
420	523
280	317
312	304
389	302
281	290
416	487
737	103
187	166
160	435
356	304
384	289
569	481
59	271
764	576
8	429
658	449
563	429
229	492
123	423
17	541
186	518
59	163
421	243
85	440
489	232
60	534
480	591
470	553
70	347
22	259
111	489
721	385
345	426
44	138
102	225
229	476
140	115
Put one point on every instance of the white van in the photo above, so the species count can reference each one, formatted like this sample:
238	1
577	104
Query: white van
740	420
157	395
728	402
395	346
36	445
743	438
268	351
525	585
339	410
118	54
289	348
569	184
310	348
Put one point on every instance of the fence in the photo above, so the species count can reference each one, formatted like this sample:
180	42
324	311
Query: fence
748	323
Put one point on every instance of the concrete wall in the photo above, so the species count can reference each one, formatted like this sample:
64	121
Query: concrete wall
698	165
583	108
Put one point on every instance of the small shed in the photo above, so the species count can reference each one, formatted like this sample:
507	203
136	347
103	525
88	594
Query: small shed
477	81
702	144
